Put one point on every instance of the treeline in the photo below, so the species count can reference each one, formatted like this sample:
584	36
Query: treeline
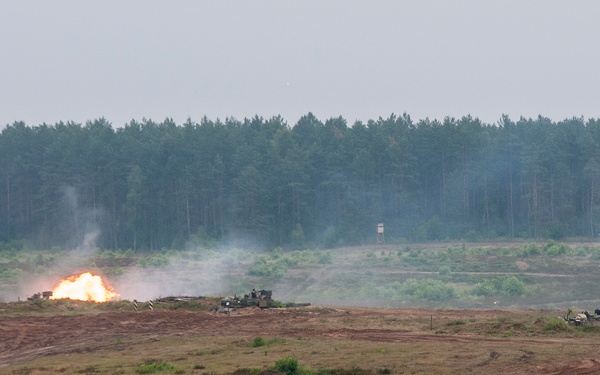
151	185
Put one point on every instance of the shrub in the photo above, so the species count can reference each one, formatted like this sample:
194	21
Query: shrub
595	253
428	289
258	342
512	286
260	267
289	262
530	249
277	253
287	365
504	285
553	248
155	260
581	251
155	367
325	258
485	288
444	272
555	324
9	273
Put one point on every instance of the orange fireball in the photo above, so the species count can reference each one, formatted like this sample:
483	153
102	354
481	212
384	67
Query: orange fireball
85	287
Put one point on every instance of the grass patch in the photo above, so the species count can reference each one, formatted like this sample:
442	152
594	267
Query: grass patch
260	341
93	369
456	323
201	352
555	324
152	368
589	328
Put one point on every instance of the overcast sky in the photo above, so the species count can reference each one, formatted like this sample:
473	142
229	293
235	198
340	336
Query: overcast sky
132	59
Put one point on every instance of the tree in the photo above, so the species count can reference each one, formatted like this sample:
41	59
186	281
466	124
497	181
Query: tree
134	203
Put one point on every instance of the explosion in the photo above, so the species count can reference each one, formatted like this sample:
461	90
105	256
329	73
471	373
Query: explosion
85	287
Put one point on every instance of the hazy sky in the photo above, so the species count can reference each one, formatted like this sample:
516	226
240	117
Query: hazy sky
129	59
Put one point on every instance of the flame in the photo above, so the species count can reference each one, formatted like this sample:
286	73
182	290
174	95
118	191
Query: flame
85	287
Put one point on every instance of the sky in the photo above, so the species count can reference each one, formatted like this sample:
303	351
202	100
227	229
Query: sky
73	60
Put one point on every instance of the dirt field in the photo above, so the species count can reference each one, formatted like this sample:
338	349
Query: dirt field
384	341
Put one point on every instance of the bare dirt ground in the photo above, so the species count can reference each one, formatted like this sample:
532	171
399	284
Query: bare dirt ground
406	340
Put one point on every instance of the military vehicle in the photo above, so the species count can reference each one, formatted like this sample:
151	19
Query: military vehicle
261	298
41	295
582	318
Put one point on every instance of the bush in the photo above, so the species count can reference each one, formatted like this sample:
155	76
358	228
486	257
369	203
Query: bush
155	367
428	289
9	273
260	267
553	248
530	249
595	253
277	253
555	324
485	288
504	285
325	258
155	260
582	251
445	272
258	342
512	286
287	365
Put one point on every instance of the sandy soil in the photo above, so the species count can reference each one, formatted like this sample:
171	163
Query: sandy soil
28	337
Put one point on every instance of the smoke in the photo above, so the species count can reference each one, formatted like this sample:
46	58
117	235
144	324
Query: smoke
81	230
200	270
80	224
87	247
198	274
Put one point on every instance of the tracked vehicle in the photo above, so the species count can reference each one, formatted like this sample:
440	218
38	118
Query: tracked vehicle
261	298
40	295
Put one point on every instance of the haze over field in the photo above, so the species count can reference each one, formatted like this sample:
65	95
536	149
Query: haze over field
76	61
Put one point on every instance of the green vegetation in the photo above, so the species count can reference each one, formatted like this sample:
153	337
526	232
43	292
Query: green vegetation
161	185
287	365
261	266
428	289
456	323
435	275
154	367
154	260
290	366
555	324
500	286
258	342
